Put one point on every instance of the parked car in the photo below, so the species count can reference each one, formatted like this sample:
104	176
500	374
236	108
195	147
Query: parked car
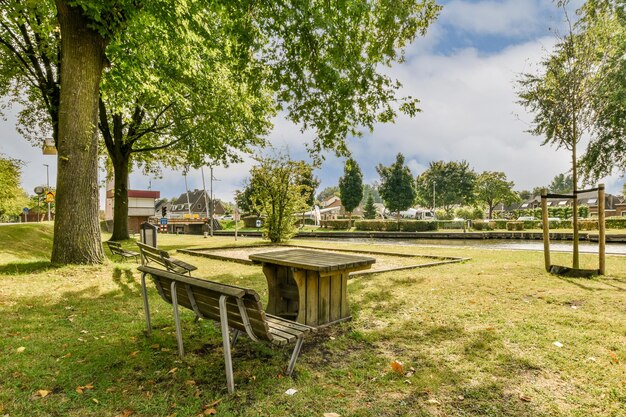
526	218
227	217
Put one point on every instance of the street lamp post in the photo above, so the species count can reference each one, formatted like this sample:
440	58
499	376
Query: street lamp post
433	196
48	187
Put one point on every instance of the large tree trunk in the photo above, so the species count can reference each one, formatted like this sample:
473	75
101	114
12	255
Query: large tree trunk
120	206
76	229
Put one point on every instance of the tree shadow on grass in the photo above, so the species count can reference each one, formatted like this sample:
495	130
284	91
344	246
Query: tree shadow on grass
127	283
581	283
24	268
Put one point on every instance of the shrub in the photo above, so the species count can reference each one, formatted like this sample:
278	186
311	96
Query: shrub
514	225
339	224
500	223
615	222
450	224
392	225
532	224
478	225
588	224
560	224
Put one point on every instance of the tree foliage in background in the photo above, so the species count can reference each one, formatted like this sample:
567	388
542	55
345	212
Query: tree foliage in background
321	61
278	194
371	189
561	184
396	187
12	197
454	185
328	192
351	186
369	211
309	183
492	188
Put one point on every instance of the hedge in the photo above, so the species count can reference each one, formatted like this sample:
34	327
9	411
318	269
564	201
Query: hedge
450	224
392	225
339	224
615	222
479	225
514	225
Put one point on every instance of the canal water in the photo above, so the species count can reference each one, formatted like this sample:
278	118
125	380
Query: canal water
534	245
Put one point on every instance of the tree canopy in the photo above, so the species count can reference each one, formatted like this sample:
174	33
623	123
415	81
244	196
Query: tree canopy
12	196
396	187
320	62
492	188
453	185
351	186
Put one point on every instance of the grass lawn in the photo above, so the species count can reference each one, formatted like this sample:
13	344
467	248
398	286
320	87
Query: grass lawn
475	339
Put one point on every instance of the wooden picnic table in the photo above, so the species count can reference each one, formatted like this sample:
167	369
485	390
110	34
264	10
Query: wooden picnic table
309	286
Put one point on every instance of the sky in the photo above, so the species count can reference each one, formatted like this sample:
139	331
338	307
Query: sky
463	72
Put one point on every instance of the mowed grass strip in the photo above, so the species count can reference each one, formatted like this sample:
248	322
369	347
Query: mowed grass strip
474	339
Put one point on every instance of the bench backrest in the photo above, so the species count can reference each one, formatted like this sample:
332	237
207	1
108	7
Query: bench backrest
115	247
245	312
151	254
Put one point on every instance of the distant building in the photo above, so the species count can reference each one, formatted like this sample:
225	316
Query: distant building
195	206
140	206
332	209
613	204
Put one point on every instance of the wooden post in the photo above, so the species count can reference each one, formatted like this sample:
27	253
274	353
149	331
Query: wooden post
546	228
601	231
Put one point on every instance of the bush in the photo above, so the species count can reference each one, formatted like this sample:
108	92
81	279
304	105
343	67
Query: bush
392	225
532	224
500	223
514	225
588	225
560	224
615	222
450	224
339	224
478	225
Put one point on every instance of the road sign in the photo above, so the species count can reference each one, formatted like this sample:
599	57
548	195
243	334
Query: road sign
26	210
39	190
258	223
50	197
163	221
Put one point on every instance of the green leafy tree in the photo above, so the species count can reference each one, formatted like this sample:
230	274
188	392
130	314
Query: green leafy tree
371	189
559	98
369	211
321	62
12	197
561	184
351	186
492	188
328	192
525	195
244	200
396	187
453	185
278	194
603	25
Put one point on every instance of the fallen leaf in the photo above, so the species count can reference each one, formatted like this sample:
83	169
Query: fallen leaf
210	412
614	357
525	398
291	391
68	355
79	390
133	354
95	401
558	344
172	371
213	404
43	393
461	398
433	401
190	382
89	386
398	367
155	346
20	349
126	413
331	415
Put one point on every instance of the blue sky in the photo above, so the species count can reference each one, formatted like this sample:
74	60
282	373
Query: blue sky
463	72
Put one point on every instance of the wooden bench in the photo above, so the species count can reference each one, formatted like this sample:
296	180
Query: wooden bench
233	307
160	257
116	249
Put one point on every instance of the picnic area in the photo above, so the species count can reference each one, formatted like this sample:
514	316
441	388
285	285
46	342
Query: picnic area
495	335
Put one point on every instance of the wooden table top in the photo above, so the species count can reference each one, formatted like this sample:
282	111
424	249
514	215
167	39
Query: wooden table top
314	260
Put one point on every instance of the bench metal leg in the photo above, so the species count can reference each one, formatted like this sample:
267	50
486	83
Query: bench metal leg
179	333
228	362
146	306
235	336
294	355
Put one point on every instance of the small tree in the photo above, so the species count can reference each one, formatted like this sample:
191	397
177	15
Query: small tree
12	196
277	194
309	183
561	184
396	186
369	211
351	186
492	188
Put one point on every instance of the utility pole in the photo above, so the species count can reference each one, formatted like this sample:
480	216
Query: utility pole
48	187
187	190
212	208
206	203
433	197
